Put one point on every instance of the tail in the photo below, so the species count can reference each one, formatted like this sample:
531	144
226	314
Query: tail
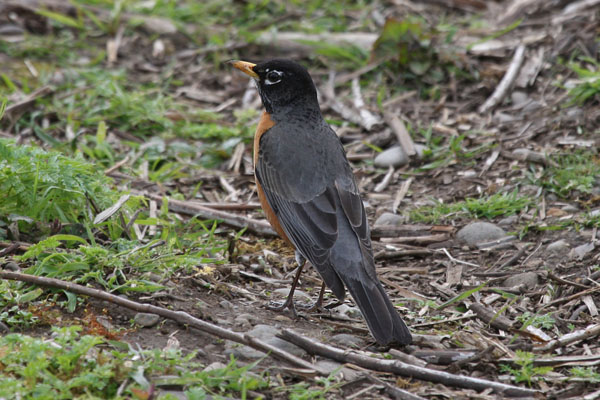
383	319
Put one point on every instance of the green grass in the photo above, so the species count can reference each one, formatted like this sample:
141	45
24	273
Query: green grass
588	87
572	176
488	207
71	365
525	371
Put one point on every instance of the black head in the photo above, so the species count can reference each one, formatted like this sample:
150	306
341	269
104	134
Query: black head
282	84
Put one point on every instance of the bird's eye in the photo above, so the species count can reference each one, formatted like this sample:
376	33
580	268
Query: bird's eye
273	77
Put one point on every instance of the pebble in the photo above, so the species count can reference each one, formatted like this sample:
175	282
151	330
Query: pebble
389	219
478	232
508	221
558	248
146	320
579	252
330	366
347	340
11	266
350	312
266	333
213	366
527	279
394	156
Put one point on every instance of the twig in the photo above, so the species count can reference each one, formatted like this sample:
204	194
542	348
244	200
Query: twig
443	249
339	107
178	316
369	119
385	181
401	194
506	82
590	331
401	133
390	255
368	361
238	221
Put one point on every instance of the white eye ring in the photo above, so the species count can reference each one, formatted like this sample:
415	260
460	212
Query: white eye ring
273	77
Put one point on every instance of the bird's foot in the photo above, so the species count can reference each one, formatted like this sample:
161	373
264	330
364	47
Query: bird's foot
282	305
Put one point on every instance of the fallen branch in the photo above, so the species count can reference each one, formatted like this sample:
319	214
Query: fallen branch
238	221
178	316
506	82
368	361
582	334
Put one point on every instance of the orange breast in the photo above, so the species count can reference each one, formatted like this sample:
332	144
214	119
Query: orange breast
264	125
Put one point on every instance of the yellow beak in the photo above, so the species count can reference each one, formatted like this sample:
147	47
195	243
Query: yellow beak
245	67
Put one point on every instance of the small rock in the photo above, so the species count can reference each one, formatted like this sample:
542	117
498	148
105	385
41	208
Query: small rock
331	366
105	322
213	366
420	149
508	221
11	266
226	304
580	252
266	333
478	232
350	312
394	156
146	320
558	248
389	219
527	279
347	340
570	208
594	213
519	97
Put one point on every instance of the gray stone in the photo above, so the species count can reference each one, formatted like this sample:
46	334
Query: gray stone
479	232
350	312
266	333
11	266
332	366
389	219
580	252
146	320
420	149
527	279
570	208
513	219
347	340
394	156
559	248
519	97
215	365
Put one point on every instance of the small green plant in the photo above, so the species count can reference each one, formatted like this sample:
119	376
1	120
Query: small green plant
499	204
588	87
526	371
588	374
71	365
539	321
304	391
571	174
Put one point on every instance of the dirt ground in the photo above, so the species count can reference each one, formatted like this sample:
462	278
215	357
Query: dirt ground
424	265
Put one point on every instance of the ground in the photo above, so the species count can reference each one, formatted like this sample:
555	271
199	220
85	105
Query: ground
101	99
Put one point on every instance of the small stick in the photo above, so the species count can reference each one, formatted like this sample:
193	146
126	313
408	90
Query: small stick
506	82
401	132
385	181
369	119
178	316
590	331
401	194
397	367
238	221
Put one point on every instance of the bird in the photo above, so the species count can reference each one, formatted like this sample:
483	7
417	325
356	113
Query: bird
309	195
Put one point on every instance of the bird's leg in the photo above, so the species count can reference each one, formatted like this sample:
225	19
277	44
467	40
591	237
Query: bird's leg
317	305
289	302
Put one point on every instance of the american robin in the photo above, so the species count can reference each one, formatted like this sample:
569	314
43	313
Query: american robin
307	190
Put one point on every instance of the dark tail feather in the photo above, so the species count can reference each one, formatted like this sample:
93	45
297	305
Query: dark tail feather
383	319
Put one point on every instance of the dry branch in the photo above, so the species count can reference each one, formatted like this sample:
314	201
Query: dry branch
178	316
506	82
368	361
238	221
